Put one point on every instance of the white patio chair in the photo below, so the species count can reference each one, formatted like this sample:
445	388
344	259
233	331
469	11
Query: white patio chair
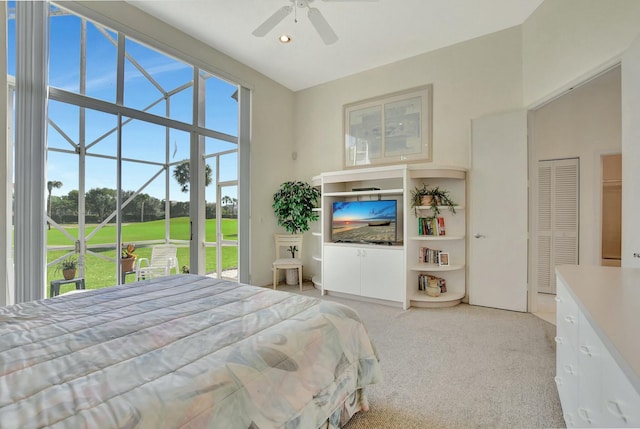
163	259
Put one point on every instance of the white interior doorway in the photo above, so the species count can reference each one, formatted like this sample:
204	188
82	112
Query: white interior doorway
611	210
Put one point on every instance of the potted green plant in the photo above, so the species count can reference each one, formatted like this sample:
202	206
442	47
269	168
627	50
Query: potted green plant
68	267
435	198
127	257
293	206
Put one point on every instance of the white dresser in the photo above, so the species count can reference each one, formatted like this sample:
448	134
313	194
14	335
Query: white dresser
598	345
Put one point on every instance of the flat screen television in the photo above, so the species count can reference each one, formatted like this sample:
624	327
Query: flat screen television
365	221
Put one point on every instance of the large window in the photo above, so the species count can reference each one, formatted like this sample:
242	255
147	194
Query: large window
119	151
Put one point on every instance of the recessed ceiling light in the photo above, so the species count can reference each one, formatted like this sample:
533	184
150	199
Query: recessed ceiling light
285	38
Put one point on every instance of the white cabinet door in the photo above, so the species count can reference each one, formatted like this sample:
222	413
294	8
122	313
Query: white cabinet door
498	212
382	274
341	269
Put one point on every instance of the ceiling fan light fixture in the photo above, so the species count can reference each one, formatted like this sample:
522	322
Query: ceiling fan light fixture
318	21
284	38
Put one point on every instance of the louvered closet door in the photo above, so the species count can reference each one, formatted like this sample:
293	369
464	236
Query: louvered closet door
557	236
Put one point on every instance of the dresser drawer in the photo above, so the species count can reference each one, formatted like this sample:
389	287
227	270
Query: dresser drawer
591	357
567	315
621	401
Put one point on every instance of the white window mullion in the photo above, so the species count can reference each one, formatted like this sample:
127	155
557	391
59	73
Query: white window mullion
244	179
32	28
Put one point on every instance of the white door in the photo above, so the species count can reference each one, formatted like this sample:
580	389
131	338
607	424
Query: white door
631	154
498	212
557	215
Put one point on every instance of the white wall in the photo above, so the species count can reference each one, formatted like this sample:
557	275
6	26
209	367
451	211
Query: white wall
469	80
565	41
584	123
562	44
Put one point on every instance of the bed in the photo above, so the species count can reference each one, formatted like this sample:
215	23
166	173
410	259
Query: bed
183	351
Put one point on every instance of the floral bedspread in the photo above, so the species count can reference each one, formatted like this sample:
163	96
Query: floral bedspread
182	351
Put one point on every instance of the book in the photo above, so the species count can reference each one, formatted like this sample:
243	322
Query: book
431	226
425	280
428	256
441	229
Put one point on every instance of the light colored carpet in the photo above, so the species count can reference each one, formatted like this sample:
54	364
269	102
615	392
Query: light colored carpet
459	367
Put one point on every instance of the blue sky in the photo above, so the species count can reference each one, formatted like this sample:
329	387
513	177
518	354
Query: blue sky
140	140
354	211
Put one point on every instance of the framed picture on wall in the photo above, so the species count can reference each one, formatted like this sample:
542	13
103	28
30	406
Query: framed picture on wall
389	129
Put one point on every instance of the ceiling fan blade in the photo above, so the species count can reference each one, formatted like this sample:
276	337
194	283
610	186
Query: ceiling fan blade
321	25
272	21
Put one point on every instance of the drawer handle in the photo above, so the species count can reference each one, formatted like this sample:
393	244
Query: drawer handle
614	409
584	415
585	351
570	319
558	380
559	340
569	369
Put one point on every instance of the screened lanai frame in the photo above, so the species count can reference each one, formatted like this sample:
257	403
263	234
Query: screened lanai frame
197	132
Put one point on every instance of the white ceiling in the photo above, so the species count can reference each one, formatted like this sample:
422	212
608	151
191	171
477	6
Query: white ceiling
371	33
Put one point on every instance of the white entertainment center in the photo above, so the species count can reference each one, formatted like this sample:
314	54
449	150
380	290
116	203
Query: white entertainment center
390	271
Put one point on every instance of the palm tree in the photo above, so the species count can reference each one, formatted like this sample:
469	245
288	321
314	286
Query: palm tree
182	176
226	201
51	184
234	204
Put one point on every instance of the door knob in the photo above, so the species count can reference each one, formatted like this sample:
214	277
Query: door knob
476	235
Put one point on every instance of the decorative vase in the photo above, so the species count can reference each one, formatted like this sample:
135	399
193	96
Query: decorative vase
291	276
426	200
69	274
433	291
127	264
433	288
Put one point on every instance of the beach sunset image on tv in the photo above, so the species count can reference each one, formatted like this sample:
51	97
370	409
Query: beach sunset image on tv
364	221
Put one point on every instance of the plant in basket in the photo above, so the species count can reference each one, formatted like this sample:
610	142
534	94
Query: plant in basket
434	198
128	258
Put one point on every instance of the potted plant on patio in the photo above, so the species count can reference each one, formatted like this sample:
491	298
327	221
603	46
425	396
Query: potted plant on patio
127	257
293	205
69	267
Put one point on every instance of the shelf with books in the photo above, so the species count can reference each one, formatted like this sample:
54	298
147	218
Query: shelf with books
316	232
364	193
436	267
439	230
427	208
436	237
448	299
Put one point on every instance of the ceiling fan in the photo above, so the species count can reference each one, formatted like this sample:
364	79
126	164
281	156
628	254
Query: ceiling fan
318	21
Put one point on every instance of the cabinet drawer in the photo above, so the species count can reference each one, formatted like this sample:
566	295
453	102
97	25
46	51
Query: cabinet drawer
621	401
567	316
591	355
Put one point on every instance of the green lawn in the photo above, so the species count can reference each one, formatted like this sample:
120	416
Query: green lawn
101	273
